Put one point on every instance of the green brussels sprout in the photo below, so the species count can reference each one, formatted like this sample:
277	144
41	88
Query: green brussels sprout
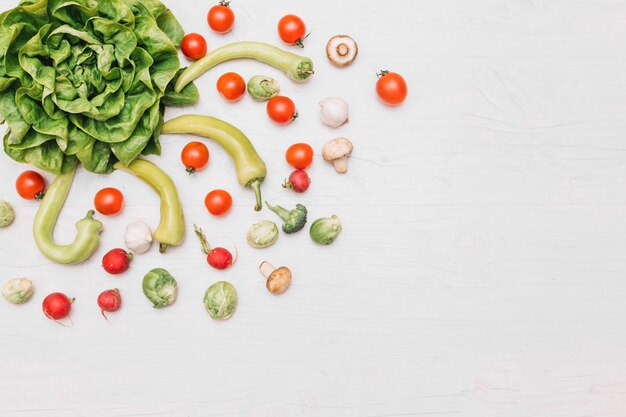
220	300
325	230
263	234
17	290
160	287
262	88
7	215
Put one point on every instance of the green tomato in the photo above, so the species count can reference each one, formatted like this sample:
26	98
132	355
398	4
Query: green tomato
160	287
325	230
263	234
262	88
220	300
7	215
17	290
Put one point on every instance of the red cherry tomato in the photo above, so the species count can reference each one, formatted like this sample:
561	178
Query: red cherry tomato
109	201
218	202
30	185
292	30
391	88
193	46
281	110
231	86
299	155
221	17
195	156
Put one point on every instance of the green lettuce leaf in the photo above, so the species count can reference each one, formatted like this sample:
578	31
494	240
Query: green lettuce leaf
86	81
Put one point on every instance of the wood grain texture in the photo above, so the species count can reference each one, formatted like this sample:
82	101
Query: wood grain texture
482	267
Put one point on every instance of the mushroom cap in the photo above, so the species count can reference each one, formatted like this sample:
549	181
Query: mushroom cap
341	50
279	280
337	148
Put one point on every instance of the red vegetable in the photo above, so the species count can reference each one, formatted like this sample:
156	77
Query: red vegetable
281	110
109	300
193	46
109	201
292	30
30	185
231	86
299	155
116	261
195	156
218	202
298	181
391	88
218	258
56	306
221	18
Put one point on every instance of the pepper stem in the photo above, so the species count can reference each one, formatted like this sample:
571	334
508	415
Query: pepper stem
163	247
205	245
256	186
90	214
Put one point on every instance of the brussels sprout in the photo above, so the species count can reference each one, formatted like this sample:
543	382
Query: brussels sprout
7	215
17	290
220	300
263	88
325	230
160	287
263	234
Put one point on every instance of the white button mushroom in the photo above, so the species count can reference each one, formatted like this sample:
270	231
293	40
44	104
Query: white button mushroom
341	50
337	151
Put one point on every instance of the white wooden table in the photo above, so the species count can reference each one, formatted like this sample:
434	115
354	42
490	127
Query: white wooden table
482	267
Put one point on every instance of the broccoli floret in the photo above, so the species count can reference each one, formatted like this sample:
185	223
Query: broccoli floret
294	220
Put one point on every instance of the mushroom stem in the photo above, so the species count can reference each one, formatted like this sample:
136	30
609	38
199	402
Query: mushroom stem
266	269
341	164
342	49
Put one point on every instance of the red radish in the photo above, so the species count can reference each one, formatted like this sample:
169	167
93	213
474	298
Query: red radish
109	300
298	181
218	258
57	306
116	261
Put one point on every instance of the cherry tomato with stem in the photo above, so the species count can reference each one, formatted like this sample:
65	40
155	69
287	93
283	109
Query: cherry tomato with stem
218	202
231	86
109	201
193	46
292	30
391	88
195	156
281	110
30	185
221	17
299	155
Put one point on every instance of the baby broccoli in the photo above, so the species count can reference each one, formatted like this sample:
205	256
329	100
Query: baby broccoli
294	220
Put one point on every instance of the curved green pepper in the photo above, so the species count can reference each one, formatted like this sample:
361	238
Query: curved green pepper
171	229
297	68
250	167
87	239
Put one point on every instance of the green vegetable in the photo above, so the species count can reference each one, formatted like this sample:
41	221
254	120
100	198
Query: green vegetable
262	88
295	67
249	166
263	234
87	239
220	300
17	290
85	81
325	230
160	287
7	215
171	229
293	220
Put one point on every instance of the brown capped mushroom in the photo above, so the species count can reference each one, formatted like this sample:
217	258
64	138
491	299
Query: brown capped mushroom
278	279
337	151
341	50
